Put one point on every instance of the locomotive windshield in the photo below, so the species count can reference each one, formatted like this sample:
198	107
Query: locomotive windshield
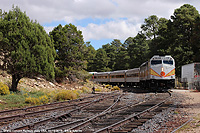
156	62
170	62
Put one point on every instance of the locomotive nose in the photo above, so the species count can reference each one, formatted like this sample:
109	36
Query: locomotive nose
162	73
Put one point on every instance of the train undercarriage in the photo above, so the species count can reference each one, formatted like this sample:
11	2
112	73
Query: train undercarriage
158	85
151	85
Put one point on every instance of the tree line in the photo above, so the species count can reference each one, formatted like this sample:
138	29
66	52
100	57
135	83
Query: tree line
26	50
178	36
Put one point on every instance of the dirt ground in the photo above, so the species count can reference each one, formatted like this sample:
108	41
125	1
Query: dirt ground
192	106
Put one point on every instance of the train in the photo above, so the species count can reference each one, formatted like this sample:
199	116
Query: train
157	74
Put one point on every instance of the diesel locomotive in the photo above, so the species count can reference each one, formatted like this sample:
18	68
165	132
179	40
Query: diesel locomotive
158	73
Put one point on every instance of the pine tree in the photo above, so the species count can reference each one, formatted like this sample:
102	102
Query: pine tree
26	48
69	48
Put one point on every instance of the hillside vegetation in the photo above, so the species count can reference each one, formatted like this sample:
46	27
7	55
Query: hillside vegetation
36	91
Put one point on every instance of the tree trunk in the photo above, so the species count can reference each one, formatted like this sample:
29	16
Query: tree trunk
15	81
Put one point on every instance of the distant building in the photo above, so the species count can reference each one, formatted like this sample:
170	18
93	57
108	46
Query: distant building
190	75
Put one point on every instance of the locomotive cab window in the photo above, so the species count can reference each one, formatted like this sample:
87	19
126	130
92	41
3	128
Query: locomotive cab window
170	62
156	62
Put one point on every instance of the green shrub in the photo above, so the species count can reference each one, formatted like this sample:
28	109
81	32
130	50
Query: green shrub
44	99
82	75
98	90
108	86
115	88
66	95
4	89
32	100
86	90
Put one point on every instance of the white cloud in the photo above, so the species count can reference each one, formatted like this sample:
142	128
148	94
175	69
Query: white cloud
50	10
119	29
71	11
48	29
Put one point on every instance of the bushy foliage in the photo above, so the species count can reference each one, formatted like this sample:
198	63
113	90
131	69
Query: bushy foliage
98	90
108	86
44	99
115	88
68	42
83	75
86	90
32	100
4	89
36	101
26	46
66	95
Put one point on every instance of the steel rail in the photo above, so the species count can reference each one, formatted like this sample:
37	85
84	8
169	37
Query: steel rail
30	126
85	119
93	117
191	119
107	111
27	114
46	105
129	118
182	125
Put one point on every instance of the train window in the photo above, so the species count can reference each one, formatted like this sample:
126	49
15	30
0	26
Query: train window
119	76
112	76
156	62
133	75
170	62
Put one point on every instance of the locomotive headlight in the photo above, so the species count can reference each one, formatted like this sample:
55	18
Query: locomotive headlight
162	72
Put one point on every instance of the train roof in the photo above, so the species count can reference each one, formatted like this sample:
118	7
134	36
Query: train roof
114	72
134	69
93	72
155	57
102	73
118	72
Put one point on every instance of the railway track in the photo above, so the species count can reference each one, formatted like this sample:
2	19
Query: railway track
119	118
11	116
109	113
136	115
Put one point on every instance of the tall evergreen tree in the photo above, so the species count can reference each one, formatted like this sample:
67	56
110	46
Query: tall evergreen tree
150	28
26	48
111	51
122	59
183	24
69	46
101	61
89	56
138	50
195	40
160	45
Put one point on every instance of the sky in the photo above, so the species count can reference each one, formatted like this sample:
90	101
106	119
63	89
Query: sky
101	21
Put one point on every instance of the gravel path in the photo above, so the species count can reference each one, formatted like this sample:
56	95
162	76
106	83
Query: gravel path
186	107
192	107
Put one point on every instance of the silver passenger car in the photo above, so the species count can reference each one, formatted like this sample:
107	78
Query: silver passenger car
102	77
132	77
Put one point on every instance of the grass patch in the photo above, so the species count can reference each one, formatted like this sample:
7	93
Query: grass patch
25	98
13	100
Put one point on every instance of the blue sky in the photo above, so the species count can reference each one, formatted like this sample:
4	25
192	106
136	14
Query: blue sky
101	21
